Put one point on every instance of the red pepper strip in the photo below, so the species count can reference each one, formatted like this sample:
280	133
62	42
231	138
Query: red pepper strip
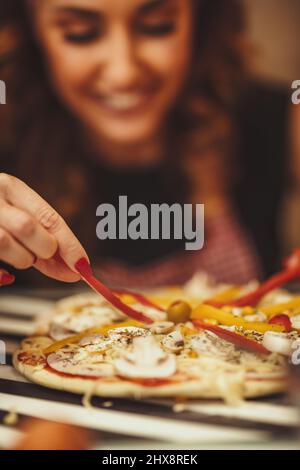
139	298
283	320
290	273
292	261
254	297
84	268
234	338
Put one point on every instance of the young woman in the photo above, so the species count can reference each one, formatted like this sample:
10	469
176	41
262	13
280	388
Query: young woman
139	98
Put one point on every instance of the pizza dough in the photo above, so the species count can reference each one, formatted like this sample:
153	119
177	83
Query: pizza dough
88	347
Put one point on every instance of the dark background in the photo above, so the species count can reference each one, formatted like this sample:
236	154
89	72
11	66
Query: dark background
275	32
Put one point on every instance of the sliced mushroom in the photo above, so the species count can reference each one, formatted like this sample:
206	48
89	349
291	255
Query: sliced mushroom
127	334
58	332
95	343
123	336
67	323
146	360
68	363
296	322
277	342
95	338
160	328
174	342
208	344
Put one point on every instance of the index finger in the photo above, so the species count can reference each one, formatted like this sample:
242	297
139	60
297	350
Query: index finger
17	193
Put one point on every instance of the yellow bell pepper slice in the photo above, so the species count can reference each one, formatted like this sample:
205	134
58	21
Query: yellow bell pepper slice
103	330
127	299
186	331
227	295
294	312
203	312
279	308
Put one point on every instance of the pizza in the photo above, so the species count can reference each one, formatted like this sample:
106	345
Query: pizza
189	349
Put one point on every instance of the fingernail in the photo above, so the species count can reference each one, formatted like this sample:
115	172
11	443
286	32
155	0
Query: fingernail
7	279
83	267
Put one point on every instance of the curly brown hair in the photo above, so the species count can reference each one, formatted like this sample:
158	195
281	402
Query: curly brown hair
41	134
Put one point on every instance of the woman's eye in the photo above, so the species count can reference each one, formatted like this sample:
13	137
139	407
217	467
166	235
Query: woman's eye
82	37
159	29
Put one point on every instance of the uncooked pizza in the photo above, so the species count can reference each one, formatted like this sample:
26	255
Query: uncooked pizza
189	347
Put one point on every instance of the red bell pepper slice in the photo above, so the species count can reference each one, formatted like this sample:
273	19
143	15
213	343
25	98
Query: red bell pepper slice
290	273
283	320
83	267
234	338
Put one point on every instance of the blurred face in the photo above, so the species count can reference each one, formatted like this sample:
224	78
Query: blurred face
118	65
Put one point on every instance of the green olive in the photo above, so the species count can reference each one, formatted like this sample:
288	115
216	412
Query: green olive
179	312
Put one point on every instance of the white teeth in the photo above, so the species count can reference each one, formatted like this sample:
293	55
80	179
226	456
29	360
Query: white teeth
124	101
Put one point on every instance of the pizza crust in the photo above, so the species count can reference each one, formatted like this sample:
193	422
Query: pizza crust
123	388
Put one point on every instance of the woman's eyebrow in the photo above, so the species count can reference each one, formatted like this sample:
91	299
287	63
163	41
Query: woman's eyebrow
82	13
153	5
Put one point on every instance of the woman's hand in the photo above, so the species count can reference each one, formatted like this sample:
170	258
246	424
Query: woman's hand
32	233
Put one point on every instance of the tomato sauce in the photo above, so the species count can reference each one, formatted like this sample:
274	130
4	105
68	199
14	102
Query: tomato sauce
31	360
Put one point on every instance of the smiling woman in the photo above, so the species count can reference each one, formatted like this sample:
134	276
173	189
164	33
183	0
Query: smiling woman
134	58
138	98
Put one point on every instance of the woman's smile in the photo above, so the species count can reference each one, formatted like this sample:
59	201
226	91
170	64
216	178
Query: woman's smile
124	102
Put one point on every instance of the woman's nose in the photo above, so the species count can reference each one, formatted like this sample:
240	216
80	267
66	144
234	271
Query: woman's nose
121	69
